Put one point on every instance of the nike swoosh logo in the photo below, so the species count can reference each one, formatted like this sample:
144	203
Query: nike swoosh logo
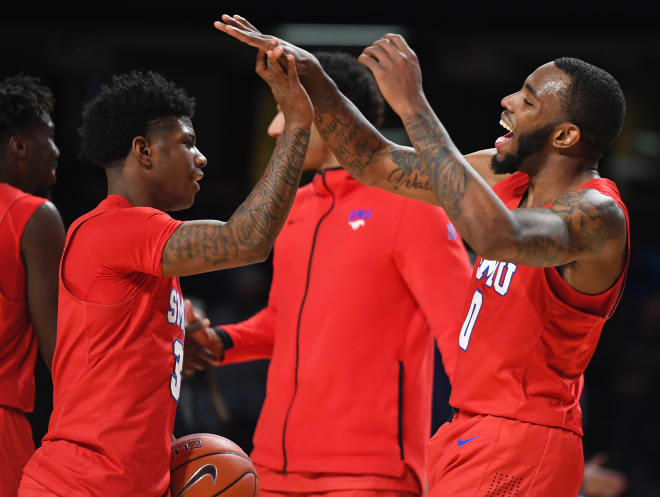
206	470
462	442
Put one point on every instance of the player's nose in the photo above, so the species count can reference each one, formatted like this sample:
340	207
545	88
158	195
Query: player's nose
200	160
507	102
276	126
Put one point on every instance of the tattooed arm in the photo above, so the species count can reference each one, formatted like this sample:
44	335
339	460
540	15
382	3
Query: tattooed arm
201	246
364	152
584	231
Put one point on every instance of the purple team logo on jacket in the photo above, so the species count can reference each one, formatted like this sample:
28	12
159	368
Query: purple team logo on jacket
358	217
451	232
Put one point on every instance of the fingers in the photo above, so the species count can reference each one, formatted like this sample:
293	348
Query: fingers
369	62
195	326
231	21
379	50
275	64
254	39
400	43
375	58
240	22
261	62
292	71
190	312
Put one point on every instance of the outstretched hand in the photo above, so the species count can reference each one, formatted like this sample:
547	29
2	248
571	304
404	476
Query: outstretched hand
396	69
241	29
287	90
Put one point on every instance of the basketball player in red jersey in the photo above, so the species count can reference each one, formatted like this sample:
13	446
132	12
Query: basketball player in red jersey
366	269
117	367
553	241
31	241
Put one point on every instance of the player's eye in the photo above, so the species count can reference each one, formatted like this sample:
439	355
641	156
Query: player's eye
527	102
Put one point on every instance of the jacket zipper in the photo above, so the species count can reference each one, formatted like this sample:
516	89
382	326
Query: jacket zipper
302	305
401	410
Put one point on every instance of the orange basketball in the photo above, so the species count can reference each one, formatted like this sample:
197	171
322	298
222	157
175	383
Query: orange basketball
205	465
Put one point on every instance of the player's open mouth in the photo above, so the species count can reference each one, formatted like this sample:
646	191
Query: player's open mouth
503	140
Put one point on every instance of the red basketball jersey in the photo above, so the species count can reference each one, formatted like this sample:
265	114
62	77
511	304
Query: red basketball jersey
117	364
527	336
19	344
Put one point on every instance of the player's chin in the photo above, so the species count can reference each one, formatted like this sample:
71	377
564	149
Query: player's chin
183	203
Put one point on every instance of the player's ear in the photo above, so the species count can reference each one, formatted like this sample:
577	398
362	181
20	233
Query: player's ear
18	147
141	149
565	135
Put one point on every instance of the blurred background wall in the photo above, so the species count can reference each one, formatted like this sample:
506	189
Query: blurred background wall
472	54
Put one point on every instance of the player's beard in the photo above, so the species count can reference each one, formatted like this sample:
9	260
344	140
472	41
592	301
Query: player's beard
528	144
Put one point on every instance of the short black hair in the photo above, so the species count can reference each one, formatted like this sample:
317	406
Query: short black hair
594	102
24	101
356	82
125	109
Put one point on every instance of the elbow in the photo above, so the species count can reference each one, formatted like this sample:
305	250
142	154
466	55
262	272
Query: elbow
258	253
497	244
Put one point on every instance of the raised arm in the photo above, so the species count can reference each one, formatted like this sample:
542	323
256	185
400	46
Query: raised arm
584	226
360	148
41	249
201	246
364	152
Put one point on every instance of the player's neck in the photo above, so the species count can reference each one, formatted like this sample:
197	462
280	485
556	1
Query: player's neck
557	176
9	176
329	162
118	185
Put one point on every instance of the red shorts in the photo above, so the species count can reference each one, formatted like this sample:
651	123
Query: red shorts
339	493
16	447
488	456
31	488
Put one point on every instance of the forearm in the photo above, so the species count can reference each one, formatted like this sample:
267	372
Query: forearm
357	145
259	219
481	218
202	246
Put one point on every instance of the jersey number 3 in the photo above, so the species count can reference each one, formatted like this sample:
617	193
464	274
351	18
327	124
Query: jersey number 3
175	380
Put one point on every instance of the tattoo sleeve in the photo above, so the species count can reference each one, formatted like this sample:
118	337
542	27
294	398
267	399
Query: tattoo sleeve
441	160
361	149
201	246
352	139
576	224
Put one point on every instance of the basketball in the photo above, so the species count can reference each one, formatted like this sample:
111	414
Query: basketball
206	465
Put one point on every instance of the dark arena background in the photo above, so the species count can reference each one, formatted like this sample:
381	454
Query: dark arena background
472	54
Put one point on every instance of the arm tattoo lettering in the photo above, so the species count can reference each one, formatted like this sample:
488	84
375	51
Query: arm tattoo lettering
441	160
256	222
410	172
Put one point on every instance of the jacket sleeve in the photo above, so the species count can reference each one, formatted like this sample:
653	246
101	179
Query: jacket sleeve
434	263
254	338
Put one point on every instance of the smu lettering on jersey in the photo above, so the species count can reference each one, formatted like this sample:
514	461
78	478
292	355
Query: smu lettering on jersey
527	336
496	275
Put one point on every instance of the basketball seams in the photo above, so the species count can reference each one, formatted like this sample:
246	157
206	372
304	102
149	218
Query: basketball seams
236	481
197	454
188	461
